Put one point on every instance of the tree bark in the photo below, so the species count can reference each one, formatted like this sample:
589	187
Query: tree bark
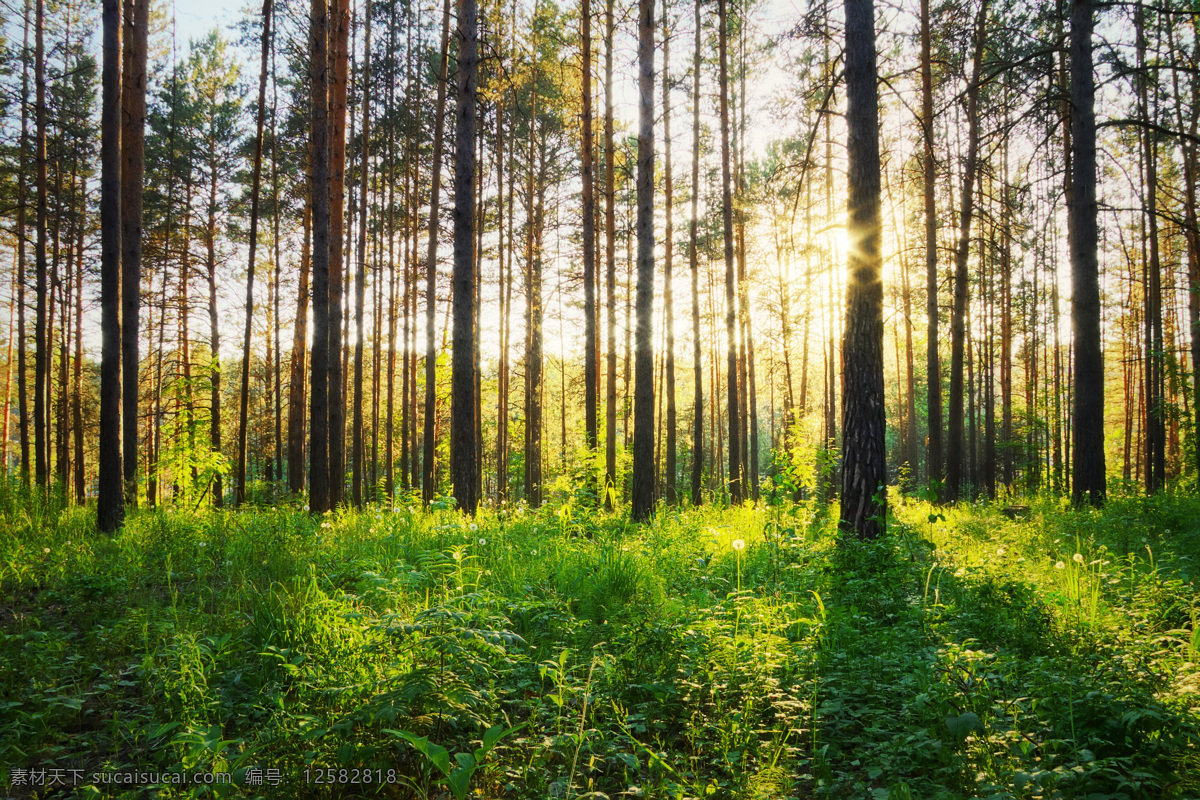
694	259
672	466
591	372
133	101
955	450
319	476
610	224
643	412
361	275
339	60
464	466
933	368
735	483
429	448
110	506
1089	481
256	185
864	458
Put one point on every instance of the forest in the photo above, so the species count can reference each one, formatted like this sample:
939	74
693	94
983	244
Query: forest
582	399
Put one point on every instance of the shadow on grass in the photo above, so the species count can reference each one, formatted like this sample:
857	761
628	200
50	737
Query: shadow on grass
940	682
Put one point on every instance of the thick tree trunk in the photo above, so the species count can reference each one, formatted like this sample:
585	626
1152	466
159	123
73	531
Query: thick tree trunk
110	507
321	387
533	304
339	61
464	467
643	412
1089	483
133	102
864	458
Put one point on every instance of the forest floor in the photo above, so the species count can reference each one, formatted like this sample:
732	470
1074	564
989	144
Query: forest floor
565	653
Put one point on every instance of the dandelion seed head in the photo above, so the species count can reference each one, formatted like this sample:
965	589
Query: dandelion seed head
1060	565
738	544
1077	558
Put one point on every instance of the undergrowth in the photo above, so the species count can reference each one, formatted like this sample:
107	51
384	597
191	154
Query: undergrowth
565	653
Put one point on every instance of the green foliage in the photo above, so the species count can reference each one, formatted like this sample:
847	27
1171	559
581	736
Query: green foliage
743	653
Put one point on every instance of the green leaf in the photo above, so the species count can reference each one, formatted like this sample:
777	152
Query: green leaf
459	782
434	752
963	725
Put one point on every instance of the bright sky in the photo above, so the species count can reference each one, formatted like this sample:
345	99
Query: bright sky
195	18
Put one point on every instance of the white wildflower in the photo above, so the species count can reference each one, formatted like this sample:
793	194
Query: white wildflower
738	544
1077	558
1060	565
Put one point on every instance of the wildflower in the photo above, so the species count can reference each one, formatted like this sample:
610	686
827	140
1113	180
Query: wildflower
326	524
482	542
204	544
306	508
1000	551
264	562
738	544
534	553
1077	558
1060	565
46	550
474	527
68	542
457	555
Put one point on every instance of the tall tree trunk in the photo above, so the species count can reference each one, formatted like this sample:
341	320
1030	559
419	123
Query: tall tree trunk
133	101
591	372
77	376
1089	483
110	506
643	412
533	301
22	236
214	369
361	275
610	254
321	387
933	368
672	465
1156	410
735	483
41	358
339	60
429	449
464	466
955	450
256	185
864	457
694	259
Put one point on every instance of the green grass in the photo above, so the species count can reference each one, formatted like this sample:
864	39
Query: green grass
565	653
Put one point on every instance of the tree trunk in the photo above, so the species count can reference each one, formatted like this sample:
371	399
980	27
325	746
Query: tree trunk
610	224
694	259
735	483
643	412
41	359
956	446
672	465
464	466
133	101
339	60
533	302
256	185
933	366
429	450
110	506
1089	483
864	458
319	395
591	372
361	276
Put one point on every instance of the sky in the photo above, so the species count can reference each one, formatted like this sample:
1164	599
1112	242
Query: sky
195	18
